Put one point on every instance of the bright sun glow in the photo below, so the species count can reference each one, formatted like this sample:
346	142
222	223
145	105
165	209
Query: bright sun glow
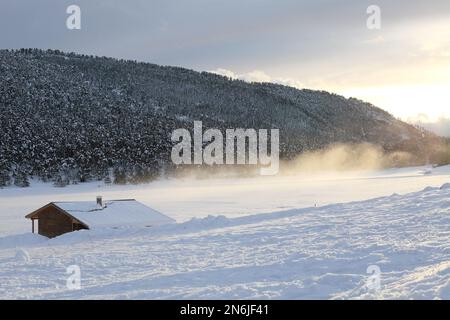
408	101
412	82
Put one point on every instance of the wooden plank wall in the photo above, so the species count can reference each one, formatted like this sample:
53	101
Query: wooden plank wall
53	222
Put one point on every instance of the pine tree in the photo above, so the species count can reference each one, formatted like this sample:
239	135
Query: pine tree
21	180
119	176
60	181
5	179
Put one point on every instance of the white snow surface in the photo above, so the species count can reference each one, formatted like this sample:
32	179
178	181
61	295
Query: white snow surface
185	199
115	213
290	251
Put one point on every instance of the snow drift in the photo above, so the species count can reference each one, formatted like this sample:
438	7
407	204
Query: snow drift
322	252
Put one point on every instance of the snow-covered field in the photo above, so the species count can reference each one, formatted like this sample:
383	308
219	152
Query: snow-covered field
186	199
282	237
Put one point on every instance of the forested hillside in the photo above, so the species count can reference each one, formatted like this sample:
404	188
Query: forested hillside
69	118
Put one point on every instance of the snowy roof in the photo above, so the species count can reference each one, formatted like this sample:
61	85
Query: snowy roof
114	213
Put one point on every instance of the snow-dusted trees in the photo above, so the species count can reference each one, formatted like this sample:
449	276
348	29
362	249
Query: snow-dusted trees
21	179
5	179
67	118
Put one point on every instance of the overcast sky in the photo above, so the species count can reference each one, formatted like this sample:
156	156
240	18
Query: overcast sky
322	44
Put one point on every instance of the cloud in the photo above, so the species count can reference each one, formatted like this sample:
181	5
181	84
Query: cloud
441	126
258	76
324	43
375	40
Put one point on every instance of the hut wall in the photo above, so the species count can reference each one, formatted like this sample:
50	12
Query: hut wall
53	223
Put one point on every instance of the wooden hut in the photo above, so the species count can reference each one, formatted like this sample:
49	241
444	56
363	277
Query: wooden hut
57	218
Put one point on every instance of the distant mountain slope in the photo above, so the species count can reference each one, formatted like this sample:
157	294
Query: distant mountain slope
75	117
